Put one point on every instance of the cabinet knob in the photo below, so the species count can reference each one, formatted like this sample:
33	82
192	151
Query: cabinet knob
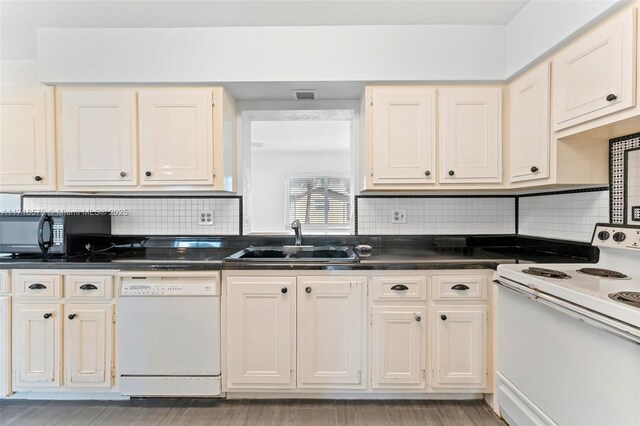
418	318
37	178
534	169
123	174
451	173
47	315
283	290
611	97
308	289
147	173
427	173
443	317
71	316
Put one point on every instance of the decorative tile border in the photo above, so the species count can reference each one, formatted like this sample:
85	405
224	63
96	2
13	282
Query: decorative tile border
617	154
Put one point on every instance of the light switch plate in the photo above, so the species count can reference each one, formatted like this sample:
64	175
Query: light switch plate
635	213
205	217
399	216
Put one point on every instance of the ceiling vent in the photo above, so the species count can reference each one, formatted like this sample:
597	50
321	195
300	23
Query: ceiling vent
305	95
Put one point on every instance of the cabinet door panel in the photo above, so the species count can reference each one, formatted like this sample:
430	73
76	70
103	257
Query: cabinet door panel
176	136
529	124
36	345
399	336
470	135
600	64
330	331
88	345
460	346
5	345
98	137
404	134
260	332
26	139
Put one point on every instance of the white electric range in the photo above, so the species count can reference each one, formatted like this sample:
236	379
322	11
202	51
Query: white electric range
568	337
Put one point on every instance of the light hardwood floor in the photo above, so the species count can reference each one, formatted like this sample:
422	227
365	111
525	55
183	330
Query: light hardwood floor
245	412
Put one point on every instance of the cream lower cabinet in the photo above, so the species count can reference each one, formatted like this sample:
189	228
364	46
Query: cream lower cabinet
459	334
260	330
5	333
331	332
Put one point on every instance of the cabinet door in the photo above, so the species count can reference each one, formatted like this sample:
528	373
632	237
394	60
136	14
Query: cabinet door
595	75
470	135
459	346
330	332
36	345
5	345
404	134
98	137
260	332
88	345
529	124
399	338
176	136
27	139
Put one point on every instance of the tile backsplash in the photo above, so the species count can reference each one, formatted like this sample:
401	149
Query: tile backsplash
568	216
633	185
151	215
431	215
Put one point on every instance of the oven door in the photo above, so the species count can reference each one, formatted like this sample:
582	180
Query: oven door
24	233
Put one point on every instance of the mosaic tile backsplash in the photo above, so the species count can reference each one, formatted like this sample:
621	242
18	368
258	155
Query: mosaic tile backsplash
633	187
152	215
563	216
437	216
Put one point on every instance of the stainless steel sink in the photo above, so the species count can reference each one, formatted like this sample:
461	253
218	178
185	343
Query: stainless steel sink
294	254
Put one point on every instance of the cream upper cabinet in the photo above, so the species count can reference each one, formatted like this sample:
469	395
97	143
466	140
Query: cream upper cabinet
398	356
404	135
176	136
331	330
37	336
459	346
97	137
595	75
88	345
470	134
27	137
529	125
260	332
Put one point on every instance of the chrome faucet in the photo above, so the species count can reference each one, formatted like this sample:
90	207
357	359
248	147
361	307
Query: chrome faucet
297	228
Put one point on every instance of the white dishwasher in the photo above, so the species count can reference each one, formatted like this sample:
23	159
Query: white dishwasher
169	334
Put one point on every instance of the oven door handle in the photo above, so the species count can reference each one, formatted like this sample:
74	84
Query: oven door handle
595	319
45	245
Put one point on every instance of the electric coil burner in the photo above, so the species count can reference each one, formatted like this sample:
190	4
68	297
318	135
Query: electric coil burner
603	273
547	273
629	297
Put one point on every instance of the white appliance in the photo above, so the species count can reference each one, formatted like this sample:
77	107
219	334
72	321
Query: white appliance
568	337
169	335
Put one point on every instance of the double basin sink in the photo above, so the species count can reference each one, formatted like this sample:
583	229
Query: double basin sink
295	254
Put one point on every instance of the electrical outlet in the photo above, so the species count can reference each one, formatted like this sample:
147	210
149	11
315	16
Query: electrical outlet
635	213
399	216
205	217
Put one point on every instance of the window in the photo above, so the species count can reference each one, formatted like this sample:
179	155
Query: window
319	201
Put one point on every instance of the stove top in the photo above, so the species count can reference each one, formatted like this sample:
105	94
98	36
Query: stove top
547	273
629	297
603	273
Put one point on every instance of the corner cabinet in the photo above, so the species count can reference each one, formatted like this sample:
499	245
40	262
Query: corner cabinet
27	139
470	135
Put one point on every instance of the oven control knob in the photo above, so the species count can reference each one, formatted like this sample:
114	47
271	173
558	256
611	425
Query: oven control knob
603	235
619	237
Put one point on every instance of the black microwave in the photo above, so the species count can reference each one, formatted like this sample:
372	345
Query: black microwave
51	233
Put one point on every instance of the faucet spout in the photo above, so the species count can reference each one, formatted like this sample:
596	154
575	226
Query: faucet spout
297	228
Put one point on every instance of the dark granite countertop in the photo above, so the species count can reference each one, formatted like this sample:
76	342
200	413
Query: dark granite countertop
389	253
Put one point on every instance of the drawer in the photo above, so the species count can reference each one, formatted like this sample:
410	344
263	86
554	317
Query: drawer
36	286
464	287
5	285
88	286
399	288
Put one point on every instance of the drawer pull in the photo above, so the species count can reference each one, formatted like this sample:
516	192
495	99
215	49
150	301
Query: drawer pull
72	316
460	287
308	289
443	317
400	287
418	318
47	315
283	290
611	97
37	286
88	287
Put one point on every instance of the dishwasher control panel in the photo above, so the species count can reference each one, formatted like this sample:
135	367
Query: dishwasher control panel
137	287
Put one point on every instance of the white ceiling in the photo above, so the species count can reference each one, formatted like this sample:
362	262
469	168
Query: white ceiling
300	136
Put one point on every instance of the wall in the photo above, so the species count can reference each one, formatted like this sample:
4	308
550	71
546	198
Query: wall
9	202
563	216
269	170
437	215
